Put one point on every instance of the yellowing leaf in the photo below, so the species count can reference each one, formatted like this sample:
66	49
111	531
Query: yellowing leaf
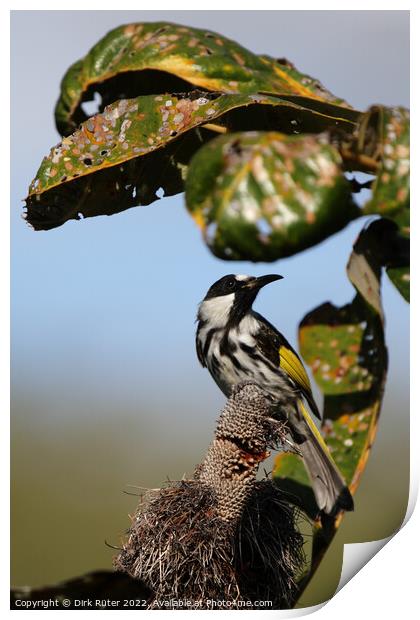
120	158
160	57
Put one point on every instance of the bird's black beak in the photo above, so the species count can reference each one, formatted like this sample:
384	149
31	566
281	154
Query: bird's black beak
258	283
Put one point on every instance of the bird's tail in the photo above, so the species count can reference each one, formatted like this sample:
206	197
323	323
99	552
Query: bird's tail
330	489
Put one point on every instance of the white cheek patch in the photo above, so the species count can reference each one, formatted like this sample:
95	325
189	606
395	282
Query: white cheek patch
217	309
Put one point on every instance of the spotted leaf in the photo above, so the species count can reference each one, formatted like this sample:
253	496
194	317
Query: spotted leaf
345	349
263	196
333	351
391	188
160	57
339	343
120	158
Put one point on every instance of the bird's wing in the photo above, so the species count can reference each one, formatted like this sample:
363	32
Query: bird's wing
281	353
290	363
199	349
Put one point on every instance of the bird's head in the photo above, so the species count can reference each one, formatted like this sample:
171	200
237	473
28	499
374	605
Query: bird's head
230	298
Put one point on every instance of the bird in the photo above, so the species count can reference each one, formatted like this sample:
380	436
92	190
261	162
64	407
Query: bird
238	345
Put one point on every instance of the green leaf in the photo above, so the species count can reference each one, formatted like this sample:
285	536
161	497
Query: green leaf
339	344
391	189
384	135
400	277
291	477
332	350
151	58
365	263
120	158
346	351
263	196
383	243
398	270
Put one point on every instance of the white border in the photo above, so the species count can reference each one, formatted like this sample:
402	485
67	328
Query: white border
386	585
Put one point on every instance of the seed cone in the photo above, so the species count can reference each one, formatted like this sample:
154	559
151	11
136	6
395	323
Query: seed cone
221	539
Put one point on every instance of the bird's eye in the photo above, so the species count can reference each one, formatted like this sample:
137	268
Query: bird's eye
230	284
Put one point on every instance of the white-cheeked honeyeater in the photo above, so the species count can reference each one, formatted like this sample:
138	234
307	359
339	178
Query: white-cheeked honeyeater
239	345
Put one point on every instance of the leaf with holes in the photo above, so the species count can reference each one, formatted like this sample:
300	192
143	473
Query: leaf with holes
152	58
120	158
263	196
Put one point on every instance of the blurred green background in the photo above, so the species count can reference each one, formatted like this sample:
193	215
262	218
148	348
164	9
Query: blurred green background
106	390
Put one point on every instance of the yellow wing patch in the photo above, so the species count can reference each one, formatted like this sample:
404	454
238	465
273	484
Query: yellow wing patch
291	364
